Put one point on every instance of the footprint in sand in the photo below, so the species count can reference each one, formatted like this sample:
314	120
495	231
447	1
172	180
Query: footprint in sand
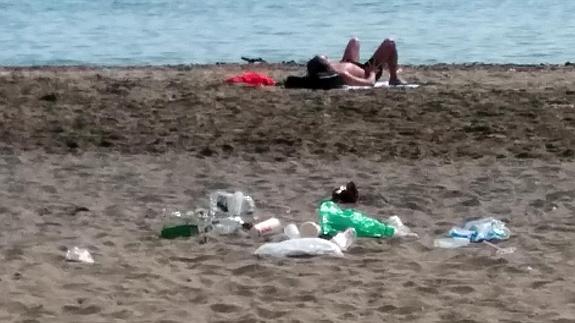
225	308
79	310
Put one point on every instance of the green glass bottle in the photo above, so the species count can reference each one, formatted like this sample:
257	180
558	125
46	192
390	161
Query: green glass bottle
333	219
184	224
176	231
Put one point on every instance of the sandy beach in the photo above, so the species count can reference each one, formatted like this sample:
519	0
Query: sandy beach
90	156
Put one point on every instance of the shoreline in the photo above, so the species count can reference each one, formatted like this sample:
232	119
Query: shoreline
285	64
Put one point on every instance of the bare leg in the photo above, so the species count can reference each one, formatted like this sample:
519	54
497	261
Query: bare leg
386	54
351	53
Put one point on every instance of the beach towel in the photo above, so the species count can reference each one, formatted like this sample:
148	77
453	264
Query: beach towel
335	82
252	79
380	84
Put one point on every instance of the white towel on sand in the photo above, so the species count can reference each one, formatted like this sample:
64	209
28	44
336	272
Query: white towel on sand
380	84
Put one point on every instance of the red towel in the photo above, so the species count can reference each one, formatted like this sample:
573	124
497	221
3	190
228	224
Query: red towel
252	78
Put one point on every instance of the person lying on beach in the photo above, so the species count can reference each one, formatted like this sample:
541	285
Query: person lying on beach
351	71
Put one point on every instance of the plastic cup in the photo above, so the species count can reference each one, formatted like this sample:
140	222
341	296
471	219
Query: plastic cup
309	230
235	208
344	239
266	228
291	230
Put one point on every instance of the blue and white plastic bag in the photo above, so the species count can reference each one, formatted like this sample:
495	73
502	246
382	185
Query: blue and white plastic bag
489	229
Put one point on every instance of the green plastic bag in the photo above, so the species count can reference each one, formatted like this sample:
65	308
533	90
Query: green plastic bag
333	219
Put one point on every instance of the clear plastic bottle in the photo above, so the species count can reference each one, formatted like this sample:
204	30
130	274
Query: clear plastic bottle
225	205
345	239
219	203
450	243
224	226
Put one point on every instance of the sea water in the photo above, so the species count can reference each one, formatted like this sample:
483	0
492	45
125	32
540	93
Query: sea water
138	32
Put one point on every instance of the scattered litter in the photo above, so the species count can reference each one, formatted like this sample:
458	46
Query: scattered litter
224	205
333	219
291	231
299	248
231	212
450	243
500	251
309	230
483	229
77	254
401	230
185	224
266	228
228	214
178	231
345	239
225	226
345	194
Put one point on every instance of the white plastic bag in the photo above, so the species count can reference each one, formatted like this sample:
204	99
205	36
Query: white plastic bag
79	255
299	247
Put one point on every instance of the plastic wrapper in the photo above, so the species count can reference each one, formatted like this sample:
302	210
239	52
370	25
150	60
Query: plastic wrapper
299	248
77	254
489	229
333	219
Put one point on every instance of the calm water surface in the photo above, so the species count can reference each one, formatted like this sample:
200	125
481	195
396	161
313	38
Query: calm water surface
134	32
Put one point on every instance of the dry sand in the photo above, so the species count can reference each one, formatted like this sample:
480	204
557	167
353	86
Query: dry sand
89	157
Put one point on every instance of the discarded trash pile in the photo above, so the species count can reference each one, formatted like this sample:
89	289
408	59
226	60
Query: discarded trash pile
234	213
335	231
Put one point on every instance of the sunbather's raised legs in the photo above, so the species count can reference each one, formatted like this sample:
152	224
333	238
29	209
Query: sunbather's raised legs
351	53
386	55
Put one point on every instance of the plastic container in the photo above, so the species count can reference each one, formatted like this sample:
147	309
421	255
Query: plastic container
184	224
309	230
291	231
225	226
179	231
345	239
268	227
224	205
